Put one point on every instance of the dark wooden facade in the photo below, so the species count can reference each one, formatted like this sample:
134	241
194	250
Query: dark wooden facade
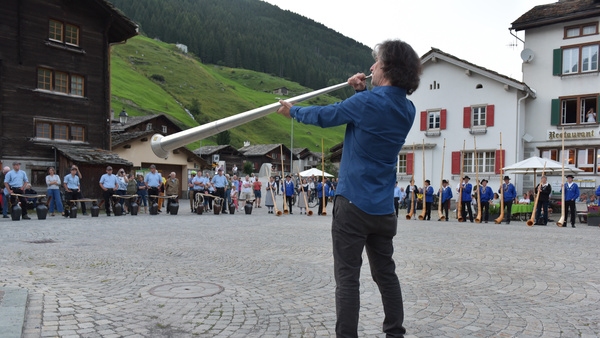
227	153
268	153
74	113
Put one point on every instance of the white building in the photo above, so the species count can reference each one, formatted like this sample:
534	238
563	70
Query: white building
458	101
561	62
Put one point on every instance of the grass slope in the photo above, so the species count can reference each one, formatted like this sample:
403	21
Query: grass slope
221	92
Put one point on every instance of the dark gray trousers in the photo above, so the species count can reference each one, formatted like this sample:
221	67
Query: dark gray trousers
352	230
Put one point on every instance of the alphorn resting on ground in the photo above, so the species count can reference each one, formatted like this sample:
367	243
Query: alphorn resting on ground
153	196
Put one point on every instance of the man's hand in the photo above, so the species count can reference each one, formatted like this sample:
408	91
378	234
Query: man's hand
285	109
358	81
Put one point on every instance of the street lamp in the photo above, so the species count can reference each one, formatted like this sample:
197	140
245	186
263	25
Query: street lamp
123	117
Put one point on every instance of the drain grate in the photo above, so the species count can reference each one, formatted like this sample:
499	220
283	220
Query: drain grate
186	290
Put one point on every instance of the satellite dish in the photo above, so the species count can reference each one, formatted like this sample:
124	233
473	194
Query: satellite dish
527	55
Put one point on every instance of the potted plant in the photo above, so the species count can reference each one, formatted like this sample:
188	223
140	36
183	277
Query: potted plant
593	218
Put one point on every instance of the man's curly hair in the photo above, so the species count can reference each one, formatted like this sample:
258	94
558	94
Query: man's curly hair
400	64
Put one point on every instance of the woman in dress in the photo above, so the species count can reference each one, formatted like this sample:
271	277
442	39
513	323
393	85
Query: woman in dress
303	196
53	183
271	189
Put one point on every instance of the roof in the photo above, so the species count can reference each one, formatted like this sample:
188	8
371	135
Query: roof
121	27
120	138
435	54
561	11
133	121
90	155
209	150
263	149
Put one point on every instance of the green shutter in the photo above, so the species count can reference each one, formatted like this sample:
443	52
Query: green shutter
555	116
557	62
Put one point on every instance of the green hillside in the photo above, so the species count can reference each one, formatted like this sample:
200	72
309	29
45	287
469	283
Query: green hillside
153	77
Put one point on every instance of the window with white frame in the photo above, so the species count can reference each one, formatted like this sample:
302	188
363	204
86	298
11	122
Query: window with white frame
433	120
580	59
578	110
585	159
478	116
402	163
486	162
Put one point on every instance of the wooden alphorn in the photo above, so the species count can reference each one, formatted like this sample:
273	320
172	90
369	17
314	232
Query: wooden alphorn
537	196
324	208
459	206
422	215
501	217
561	221
285	208
478	218
277	212
412	191
440	214
308	212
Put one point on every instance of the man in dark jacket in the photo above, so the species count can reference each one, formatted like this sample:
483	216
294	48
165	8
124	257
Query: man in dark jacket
544	189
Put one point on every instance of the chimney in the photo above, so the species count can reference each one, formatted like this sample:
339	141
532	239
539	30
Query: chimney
246	143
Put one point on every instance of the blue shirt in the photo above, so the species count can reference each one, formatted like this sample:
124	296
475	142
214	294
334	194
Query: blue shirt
72	182
198	179
598	191
466	192
571	193
375	119
109	181
220	181
16	179
486	194
428	194
446	194
397	192
289	188
153	180
510	193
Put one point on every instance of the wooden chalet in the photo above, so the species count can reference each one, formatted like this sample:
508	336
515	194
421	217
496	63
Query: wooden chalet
268	153
55	86
227	154
131	141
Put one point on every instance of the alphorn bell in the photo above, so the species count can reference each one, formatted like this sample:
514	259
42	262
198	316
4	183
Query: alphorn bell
422	215
412	190
537	196
440	214
501	217
285	208
162	145
324	207
277	212
561	221
478	218
308	212
459	206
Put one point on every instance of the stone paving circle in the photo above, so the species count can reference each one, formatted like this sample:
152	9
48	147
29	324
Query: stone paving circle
185	290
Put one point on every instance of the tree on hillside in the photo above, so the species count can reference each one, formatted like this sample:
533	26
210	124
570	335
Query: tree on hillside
224	138
248	167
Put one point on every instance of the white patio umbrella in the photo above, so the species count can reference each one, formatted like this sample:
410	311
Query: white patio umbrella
535	164
314	171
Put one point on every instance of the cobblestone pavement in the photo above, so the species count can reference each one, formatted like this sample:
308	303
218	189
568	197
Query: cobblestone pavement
265	276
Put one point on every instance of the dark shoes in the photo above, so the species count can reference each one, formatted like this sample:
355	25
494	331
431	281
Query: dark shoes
85	214
572	225
27	217
5	216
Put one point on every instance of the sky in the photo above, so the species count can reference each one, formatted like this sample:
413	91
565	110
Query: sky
474	30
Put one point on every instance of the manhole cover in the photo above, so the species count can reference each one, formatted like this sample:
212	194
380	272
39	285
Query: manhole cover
186	290
43	241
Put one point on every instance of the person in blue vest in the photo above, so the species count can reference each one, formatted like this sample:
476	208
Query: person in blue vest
485	196
320	196
153	182
109	183
15	182
288	190
427	192
466	199
510	193
571	194
446	198
72	186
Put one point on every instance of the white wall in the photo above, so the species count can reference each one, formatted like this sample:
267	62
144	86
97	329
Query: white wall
458	90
